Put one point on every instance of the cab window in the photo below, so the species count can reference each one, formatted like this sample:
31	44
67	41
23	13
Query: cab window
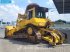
30	14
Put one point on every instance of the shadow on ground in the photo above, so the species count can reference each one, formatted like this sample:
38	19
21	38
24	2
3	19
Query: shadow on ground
20	41
24	42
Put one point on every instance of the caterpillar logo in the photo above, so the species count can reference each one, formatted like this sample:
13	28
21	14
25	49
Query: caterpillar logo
5	1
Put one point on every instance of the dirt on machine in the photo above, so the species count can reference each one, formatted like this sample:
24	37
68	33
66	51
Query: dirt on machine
34	26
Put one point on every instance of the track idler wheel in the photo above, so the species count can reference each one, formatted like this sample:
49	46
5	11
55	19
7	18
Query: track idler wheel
33	35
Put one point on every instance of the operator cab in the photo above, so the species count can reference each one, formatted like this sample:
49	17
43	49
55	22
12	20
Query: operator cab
34	10
41	12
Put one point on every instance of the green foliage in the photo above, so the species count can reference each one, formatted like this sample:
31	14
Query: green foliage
60	21
3	22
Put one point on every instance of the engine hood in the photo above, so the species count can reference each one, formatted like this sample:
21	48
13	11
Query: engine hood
40	21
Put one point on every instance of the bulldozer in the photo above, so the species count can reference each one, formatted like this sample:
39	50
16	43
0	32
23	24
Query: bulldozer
34	26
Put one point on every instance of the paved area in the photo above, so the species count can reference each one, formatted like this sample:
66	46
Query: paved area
9	45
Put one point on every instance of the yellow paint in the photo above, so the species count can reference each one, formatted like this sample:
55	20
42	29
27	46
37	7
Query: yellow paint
30	30
11	30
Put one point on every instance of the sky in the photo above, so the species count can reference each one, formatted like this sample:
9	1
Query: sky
9	9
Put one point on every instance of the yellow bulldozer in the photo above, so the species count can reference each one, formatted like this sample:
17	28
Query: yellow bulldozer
34	26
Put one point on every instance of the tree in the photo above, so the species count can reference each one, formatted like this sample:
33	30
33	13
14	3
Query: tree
60	21
3	22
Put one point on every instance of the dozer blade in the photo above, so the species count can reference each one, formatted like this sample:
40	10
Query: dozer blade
52	36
